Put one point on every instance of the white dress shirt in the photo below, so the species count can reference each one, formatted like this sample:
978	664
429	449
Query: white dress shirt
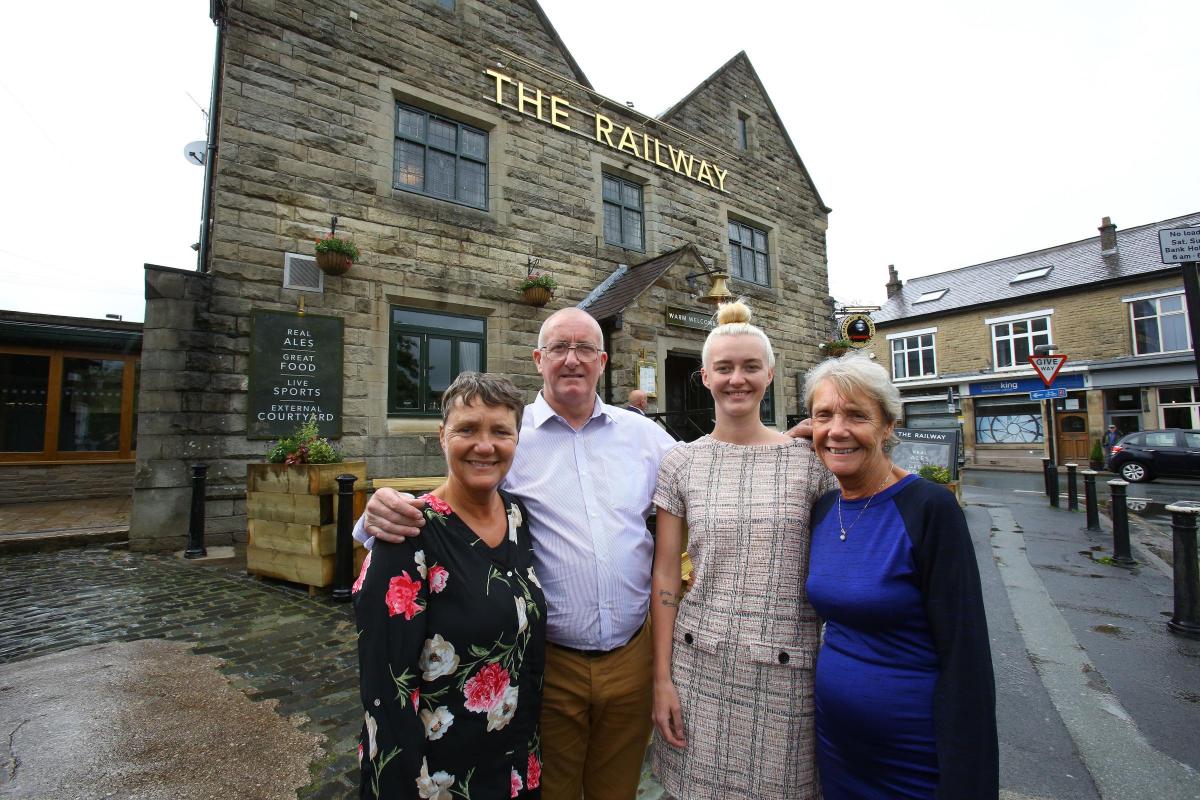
588	493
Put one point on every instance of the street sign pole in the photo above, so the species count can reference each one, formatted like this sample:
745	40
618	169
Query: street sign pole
1047	364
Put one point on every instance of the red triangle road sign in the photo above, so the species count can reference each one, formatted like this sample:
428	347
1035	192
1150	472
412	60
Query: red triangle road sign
1047	367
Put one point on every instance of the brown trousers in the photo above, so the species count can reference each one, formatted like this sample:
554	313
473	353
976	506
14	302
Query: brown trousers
596	721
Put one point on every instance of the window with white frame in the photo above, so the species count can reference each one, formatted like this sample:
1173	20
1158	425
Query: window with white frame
913	354
1014	339
1160	325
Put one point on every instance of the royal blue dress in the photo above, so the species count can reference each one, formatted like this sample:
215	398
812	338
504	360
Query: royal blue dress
905	701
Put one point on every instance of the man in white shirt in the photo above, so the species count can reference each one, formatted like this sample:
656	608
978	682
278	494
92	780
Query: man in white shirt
586	473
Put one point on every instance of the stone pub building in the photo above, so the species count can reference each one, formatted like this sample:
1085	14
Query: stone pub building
460	146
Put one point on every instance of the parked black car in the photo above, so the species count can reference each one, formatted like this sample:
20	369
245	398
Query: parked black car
1146	455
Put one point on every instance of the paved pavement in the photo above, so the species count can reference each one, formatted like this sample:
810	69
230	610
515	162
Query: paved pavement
1096	699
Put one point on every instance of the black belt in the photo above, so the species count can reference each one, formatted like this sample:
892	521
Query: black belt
598	653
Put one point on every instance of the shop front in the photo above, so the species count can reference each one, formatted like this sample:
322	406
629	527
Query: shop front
1008	428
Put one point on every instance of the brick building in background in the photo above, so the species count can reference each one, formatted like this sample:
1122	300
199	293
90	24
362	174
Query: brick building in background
459	144
1107	302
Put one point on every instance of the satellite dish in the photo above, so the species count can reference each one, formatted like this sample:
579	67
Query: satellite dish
194	152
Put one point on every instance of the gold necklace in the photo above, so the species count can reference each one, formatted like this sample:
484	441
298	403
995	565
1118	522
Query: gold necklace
842	525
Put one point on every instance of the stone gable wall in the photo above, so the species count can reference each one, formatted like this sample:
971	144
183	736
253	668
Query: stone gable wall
307	122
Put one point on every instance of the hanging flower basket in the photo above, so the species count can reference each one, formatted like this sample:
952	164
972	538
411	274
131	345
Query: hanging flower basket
335	256
537	296
333	263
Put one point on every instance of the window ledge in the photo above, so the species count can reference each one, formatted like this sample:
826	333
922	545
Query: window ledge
400	425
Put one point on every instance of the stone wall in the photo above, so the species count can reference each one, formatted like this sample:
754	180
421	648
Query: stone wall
307	130
40	483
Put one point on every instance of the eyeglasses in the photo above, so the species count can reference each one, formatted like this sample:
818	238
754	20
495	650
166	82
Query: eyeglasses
586	353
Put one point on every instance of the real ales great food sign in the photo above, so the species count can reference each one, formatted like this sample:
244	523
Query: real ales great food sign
295	374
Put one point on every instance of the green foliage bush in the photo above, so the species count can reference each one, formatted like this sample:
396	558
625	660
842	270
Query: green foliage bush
332	244
932	472
539	280
304	447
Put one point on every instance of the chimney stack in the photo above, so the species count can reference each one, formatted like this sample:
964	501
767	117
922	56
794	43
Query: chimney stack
1108	237
894	284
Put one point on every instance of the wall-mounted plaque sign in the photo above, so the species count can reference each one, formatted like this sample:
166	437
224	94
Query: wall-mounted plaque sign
295	374
690	319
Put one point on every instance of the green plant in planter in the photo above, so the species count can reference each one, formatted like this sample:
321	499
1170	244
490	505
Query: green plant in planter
343	247
934	473
837	345
1097	454
304	446
539	280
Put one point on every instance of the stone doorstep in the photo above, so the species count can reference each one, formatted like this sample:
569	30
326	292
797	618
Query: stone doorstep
61	539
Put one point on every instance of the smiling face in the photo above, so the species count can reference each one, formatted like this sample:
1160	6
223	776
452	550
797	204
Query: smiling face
479	442
568	384
849	434
737	374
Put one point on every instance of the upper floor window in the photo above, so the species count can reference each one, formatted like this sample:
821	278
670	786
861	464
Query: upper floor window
748	253
1160	325
428	351
743	130
1013	341
623	218
912	355
441	158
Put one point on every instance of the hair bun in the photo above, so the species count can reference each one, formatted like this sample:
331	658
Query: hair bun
733	313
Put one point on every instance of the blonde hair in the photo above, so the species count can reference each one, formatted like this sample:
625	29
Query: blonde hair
733	319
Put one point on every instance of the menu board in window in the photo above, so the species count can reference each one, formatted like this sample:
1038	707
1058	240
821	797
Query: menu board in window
295	374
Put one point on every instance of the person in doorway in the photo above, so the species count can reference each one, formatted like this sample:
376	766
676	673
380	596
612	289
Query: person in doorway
586	473
905	696
733	658
1111	437
637	402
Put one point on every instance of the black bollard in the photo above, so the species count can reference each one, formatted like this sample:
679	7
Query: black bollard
1046	476
1120	520
1186	619
1052	480
343	564
195	544
1090	501
1072	489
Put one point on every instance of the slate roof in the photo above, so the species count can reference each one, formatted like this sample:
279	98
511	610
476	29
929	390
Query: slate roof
1077	264
627	284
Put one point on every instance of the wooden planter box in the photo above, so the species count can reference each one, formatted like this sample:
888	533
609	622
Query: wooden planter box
291	512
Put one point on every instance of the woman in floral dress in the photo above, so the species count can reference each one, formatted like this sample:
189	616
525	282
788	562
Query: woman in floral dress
733	659
452	624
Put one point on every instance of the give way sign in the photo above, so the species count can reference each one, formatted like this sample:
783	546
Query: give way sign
1047	367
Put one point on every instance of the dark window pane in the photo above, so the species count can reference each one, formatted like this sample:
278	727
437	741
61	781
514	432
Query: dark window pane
407	316
927	340
1143	308
472	180
439	372
898	365
1021	350
411	124
410	164
474	144
914	362
760	267
1145	334
1003	353
23	384
631	195
1020	327
631	227
90	415
1040	324
612	224
443	135
440	179
743	134
407	369
1002	329
612	190
766	409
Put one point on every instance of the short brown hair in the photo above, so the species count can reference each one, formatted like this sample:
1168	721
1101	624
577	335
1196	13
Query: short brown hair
490	388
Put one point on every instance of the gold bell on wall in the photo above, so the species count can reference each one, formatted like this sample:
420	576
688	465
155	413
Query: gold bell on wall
718	292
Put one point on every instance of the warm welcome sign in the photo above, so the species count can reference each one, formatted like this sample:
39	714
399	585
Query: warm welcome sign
558	112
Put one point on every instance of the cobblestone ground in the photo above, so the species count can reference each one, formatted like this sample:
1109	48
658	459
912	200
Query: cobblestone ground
275	641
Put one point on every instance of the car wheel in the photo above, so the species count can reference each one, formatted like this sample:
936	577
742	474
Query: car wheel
1134	472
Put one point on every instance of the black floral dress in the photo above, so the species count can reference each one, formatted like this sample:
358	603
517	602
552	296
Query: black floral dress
451	651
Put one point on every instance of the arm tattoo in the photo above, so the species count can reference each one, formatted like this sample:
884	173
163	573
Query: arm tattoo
669	599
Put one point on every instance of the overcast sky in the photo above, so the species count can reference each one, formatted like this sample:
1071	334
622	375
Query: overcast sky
942	134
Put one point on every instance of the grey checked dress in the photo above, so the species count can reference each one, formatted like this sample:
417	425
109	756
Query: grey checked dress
745	638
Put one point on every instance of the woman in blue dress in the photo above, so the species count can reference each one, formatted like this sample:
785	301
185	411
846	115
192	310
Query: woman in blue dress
905	700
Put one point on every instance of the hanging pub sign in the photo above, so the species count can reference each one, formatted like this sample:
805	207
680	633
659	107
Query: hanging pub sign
857	329
295	374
